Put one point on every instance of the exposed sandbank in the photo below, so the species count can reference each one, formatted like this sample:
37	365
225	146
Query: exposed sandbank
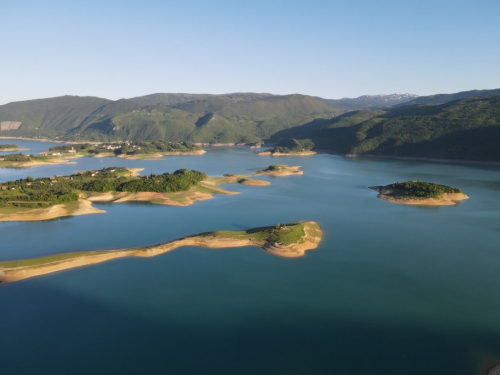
13	149
34	139
301	153
159	155
310	238
446	199
82	207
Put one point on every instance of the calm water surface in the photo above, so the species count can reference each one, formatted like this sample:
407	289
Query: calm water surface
392	289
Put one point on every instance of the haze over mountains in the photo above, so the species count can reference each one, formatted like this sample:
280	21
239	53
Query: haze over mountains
464	125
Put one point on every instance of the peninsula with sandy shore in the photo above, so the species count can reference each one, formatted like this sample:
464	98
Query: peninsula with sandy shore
420	193
60	196
288	240
11	148
25	161
132	150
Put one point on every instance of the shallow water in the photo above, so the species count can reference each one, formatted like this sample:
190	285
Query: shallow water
392	289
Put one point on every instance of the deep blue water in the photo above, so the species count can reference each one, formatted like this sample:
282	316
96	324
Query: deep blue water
392	289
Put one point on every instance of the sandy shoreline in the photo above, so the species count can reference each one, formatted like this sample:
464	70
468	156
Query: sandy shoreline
10	272
160	155
34	139
14	149
410	158
201	192
53	212
35	163
304	153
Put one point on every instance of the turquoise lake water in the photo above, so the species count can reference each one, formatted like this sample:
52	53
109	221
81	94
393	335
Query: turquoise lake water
391	289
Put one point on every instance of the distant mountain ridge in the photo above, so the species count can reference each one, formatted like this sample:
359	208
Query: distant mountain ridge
467	128
368	102
445	98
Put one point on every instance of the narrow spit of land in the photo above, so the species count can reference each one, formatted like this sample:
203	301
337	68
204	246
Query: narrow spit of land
59	196
11	148
138	150
274	152
420	193
289	241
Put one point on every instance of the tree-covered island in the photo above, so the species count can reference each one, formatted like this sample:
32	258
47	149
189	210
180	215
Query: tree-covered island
288	240
44	198
420	193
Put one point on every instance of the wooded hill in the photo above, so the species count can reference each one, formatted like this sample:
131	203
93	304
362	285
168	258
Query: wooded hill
467	129
170	117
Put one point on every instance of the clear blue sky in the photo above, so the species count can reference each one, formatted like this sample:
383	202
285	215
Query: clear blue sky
333	49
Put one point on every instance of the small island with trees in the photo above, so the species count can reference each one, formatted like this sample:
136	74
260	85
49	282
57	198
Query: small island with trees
291	147
420	193
280	170
288	240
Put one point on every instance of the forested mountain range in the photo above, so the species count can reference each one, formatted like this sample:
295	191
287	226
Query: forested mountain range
171	117
467	128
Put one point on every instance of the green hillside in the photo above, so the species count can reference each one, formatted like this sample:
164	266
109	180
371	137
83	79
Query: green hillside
50	117
467	129
231	118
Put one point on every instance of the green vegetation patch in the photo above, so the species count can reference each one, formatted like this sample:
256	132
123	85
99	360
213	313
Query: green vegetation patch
293	146
286	234
20	157
420	189
466	129
277	168
47	191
